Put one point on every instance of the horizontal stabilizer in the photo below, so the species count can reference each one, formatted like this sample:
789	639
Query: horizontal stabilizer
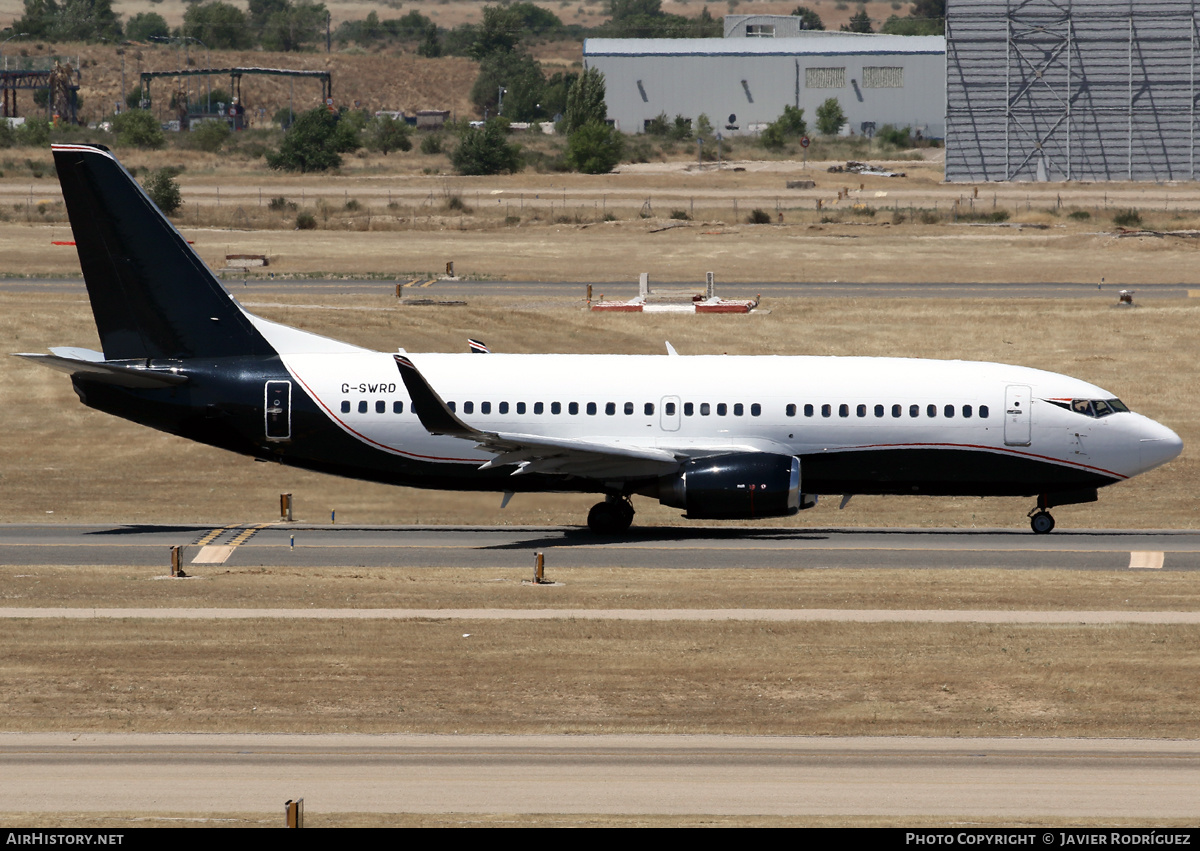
122	374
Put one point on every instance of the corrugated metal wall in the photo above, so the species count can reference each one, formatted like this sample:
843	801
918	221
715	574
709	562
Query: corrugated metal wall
1071	90
753	89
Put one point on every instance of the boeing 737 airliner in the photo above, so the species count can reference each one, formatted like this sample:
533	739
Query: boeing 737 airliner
717	436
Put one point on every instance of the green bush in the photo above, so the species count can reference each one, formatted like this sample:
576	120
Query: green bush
431	143
209	135
306	221
137	128
894	136
595	148
164	191
484	150
385	134
758	217
1079	215
315	142
1127	218
830	117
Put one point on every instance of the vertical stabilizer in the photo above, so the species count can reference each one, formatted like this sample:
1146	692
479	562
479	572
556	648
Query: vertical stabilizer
151	295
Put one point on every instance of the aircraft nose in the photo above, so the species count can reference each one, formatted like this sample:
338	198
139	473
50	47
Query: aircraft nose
1158	445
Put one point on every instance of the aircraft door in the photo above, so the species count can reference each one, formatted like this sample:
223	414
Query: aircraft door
1017	425
278	410
670	413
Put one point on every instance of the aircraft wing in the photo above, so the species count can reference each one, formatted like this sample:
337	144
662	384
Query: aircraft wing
531	453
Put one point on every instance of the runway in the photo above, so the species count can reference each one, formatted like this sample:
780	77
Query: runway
693	547
761	775
431	288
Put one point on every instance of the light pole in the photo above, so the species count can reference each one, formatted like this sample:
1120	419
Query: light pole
6	41
208	66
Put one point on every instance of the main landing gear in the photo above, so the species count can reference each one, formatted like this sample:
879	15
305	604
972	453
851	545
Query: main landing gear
1041	521
612	516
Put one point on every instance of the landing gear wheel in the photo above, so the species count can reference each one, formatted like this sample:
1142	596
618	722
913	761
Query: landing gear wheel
610	517
1041	522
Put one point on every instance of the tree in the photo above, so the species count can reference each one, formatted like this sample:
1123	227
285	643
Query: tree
294	26
164	191
386	134
314	142
70	20
139	129
499	32
791	122
860	22
484	150
585	101
809	20
519	74
146	26
219	25
595	148
928	17
830	117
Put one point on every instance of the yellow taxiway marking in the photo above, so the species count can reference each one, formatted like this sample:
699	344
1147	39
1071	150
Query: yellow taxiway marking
1145	560
211	553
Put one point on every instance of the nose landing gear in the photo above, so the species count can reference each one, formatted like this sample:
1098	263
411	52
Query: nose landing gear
612	516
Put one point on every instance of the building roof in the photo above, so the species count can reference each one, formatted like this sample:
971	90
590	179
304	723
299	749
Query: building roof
831	44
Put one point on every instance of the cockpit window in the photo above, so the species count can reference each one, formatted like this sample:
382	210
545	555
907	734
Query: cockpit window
1094	408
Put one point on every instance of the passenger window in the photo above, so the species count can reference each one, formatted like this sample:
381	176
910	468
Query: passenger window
451	405
705	410
879	410
521	408
948	412
791	410
966	412
862	410
591	409
826	410
485	407
573	408
843	410
756	410
503	407
931	410
362	407
808	410
688	409
669	409
722	409
914	410
610	408
983	412
397	407
539	407
738	409
897	410
649	409
468	407
629	409
345	406
381	407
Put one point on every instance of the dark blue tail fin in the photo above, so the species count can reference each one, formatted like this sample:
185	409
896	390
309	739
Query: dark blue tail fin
151	295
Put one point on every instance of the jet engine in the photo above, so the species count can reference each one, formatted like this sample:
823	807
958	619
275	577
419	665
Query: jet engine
740	486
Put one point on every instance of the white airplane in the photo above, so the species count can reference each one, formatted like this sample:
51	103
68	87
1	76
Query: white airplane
717	436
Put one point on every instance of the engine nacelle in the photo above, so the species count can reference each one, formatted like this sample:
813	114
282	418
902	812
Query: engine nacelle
742	486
